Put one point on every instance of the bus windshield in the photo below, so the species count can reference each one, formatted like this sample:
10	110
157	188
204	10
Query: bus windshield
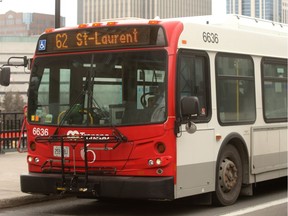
98	89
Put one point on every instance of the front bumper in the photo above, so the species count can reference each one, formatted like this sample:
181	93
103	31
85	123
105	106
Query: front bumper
158	188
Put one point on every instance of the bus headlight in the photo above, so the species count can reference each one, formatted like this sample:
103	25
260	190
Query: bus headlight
150	162
158	161
30	159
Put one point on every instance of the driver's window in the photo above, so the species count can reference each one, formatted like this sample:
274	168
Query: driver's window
193	80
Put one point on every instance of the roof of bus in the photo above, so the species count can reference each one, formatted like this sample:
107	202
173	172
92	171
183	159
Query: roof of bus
235	34
231	33
237	22
228	20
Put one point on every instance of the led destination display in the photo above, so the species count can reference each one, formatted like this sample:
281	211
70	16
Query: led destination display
101	38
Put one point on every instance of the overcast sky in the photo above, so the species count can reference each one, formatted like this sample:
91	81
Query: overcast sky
68	7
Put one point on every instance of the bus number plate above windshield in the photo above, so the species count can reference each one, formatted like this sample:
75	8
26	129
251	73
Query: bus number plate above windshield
57	151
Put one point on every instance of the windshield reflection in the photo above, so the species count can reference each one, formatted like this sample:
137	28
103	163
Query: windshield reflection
99	89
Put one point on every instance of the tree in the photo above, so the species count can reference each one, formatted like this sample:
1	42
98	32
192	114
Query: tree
13	102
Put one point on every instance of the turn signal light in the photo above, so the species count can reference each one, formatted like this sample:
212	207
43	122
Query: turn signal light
32	146
160	147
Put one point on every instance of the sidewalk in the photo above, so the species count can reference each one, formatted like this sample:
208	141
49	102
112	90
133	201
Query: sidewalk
12	165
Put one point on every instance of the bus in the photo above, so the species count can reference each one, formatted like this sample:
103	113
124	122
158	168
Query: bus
158	109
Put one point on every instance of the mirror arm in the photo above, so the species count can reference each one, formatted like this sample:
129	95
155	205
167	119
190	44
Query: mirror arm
25	61
190	125
177	126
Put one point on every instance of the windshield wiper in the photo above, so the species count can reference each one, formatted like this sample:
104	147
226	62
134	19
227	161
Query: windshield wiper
75	107
119	135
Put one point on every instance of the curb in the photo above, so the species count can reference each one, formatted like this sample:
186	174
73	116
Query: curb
28	199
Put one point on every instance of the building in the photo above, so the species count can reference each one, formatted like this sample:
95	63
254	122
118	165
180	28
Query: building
285	11
18	37
274	10
26	24
96	10
17	46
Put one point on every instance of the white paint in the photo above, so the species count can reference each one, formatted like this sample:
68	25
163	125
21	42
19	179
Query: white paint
257	208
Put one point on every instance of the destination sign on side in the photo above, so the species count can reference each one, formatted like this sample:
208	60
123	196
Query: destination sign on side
97	38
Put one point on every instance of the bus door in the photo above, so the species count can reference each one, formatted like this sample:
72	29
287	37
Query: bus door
195	153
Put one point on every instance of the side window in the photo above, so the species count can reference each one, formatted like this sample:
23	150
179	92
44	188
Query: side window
235	89
193	80
274	86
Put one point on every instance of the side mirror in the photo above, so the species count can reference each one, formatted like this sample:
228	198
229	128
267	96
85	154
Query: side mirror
189	110
5	76
189	107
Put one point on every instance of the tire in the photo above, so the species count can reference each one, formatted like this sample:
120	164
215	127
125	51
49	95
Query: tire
228	177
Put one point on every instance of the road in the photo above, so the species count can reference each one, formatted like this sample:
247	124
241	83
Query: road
269	199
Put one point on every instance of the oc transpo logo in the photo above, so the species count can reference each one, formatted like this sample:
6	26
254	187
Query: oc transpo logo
91	155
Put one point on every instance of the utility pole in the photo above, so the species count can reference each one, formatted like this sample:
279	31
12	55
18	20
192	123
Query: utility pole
57	13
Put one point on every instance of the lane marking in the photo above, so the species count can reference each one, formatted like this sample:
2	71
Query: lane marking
257	207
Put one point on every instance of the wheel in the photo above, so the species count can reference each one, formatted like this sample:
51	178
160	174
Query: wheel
228	177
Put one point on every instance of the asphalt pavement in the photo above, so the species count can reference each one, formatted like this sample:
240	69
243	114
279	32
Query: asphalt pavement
12	165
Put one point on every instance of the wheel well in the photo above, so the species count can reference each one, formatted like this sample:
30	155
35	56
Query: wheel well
238	142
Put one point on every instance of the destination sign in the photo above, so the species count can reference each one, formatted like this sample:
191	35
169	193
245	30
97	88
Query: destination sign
101	38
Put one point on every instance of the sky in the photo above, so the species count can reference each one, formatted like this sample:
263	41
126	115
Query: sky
68	8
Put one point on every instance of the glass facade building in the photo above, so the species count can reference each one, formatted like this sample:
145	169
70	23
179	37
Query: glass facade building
97	10
274	10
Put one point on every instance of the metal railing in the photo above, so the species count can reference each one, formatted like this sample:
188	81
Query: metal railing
13	135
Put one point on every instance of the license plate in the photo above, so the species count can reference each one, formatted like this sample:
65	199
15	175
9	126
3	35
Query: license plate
57	151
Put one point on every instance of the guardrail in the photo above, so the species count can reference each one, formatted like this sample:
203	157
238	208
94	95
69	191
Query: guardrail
13	134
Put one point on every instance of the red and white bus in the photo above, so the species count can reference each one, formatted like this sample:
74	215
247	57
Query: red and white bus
158	109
